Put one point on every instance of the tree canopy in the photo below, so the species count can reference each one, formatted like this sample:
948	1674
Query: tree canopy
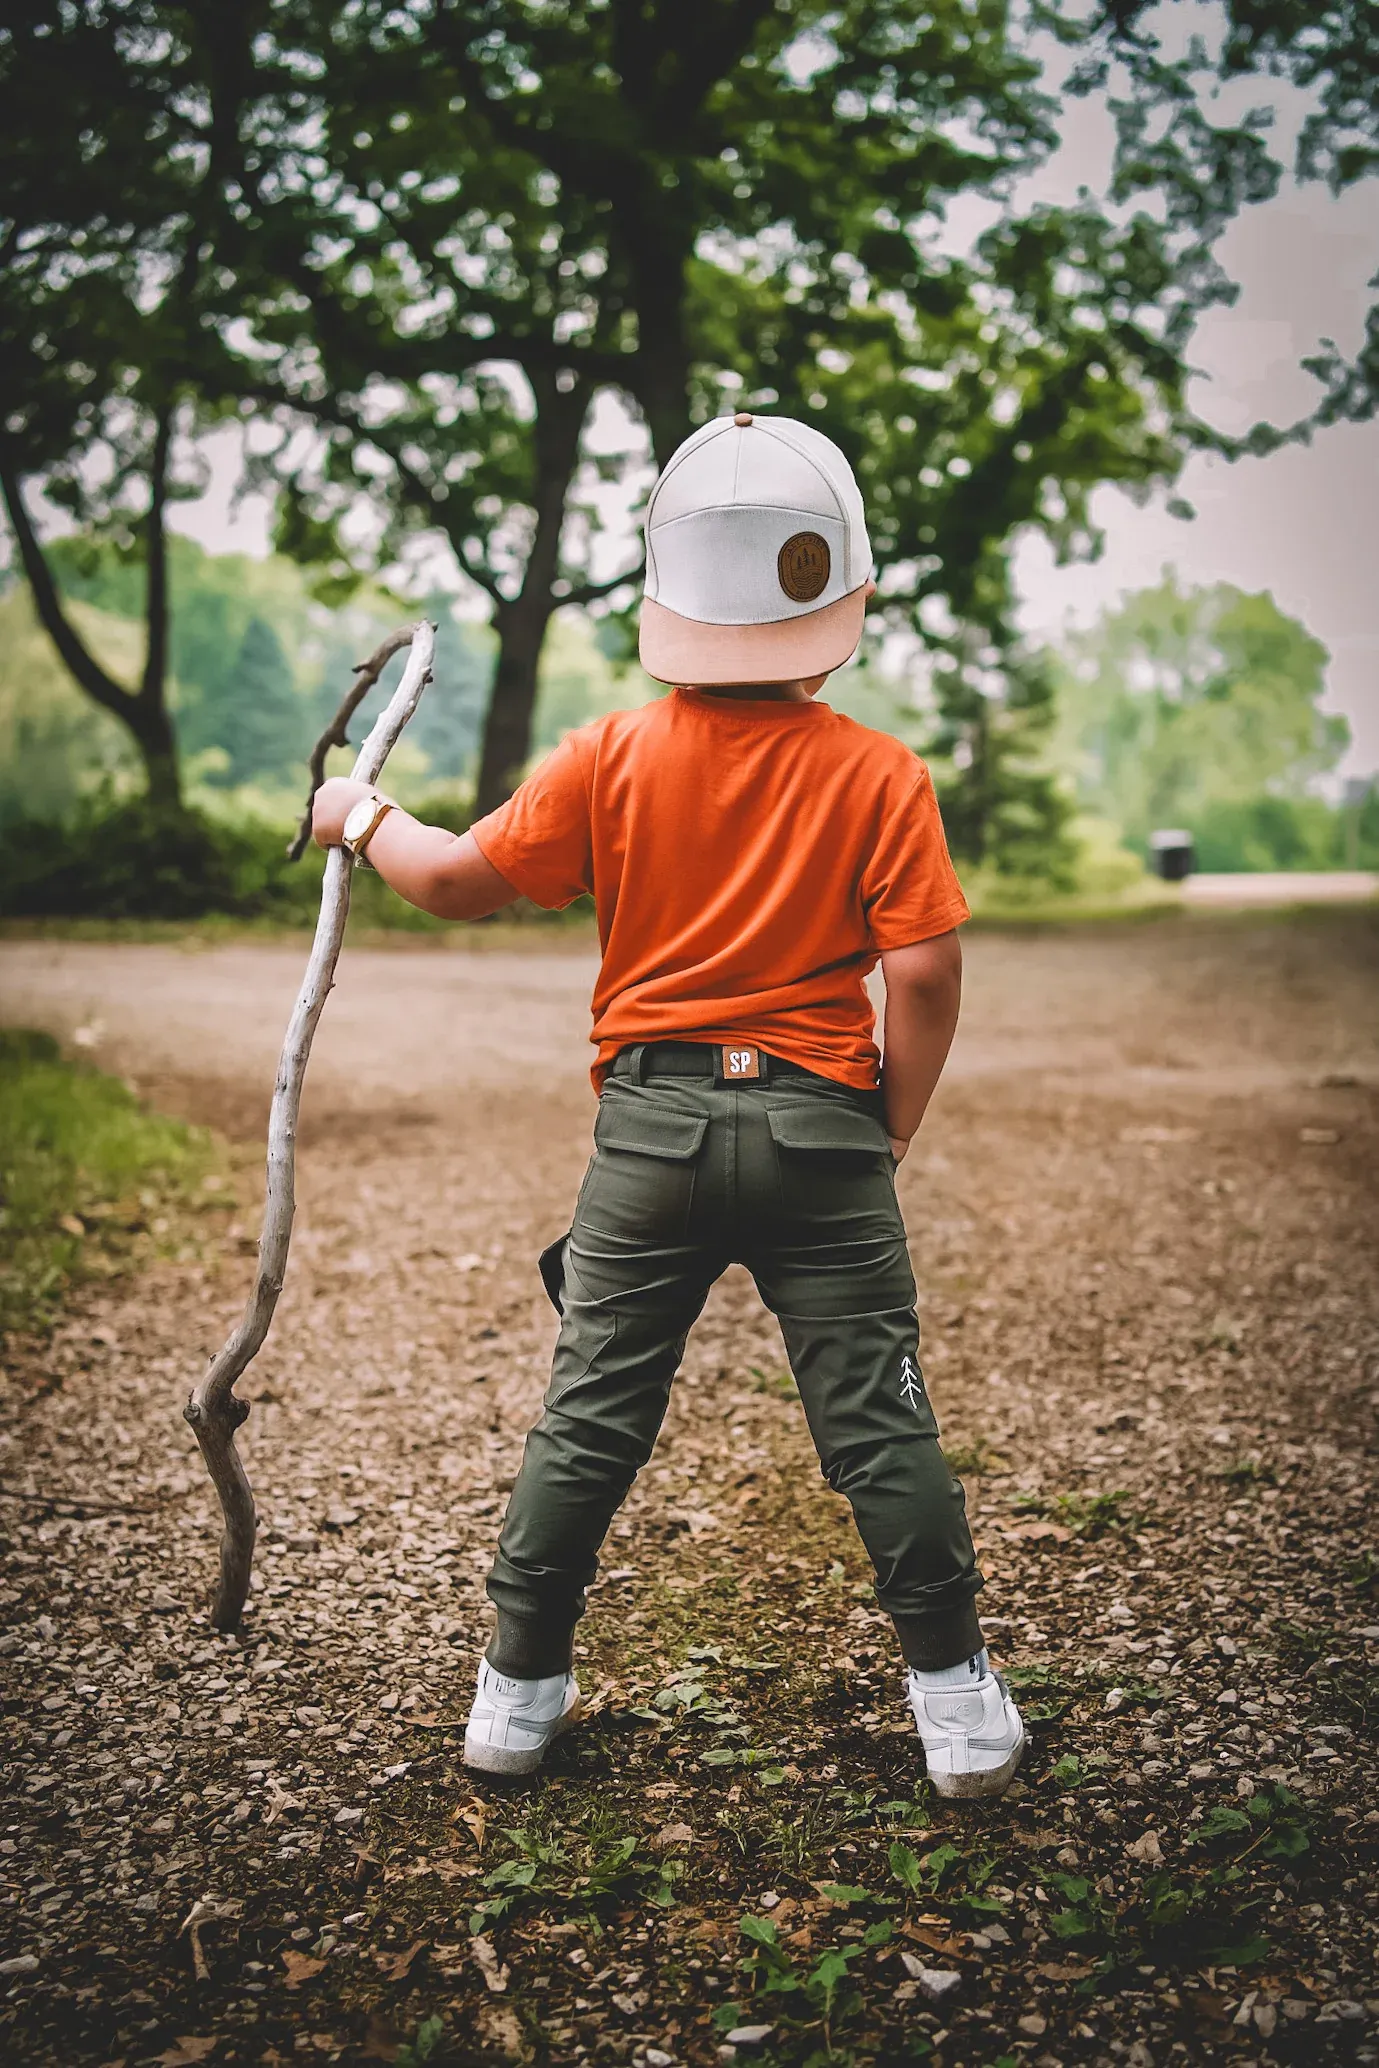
424	241
1182	701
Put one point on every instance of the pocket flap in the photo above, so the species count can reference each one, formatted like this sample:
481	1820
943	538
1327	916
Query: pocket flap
826	1126
646	1130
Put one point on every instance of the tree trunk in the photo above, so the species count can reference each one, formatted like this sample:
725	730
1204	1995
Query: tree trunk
143	712
521	628
151	725
663	391
521	621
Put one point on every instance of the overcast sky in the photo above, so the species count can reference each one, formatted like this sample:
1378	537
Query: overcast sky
1303	523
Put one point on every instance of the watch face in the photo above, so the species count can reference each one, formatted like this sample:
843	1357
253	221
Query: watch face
360	818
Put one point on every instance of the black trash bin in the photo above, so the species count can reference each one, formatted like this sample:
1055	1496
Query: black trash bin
1171	852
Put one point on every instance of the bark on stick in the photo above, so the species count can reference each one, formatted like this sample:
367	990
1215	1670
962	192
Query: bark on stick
214	1410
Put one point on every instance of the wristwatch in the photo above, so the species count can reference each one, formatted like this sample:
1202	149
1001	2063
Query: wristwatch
362	822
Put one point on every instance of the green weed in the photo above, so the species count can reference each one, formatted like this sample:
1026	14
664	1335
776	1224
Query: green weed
971	1460
584	1872
1089	1515
423	2043
1274	1822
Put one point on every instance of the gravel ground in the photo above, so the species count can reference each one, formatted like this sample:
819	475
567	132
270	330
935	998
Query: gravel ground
1143	1219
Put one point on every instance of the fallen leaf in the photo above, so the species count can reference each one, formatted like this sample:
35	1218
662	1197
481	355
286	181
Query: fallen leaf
300	1968
472	1815
670	1836
500	2027
490	1967
187	2052
394	1966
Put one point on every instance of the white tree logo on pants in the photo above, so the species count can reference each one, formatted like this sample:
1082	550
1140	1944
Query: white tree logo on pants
911	1383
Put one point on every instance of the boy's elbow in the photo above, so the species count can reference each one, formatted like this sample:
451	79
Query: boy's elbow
461	883
928	967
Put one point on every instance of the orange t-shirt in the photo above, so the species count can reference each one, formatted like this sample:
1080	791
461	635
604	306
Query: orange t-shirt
749	860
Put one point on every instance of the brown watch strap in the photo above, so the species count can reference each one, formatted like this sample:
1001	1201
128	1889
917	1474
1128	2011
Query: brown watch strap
384	806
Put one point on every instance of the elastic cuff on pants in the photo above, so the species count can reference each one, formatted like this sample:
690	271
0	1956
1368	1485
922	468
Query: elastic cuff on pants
932	1642
528	1648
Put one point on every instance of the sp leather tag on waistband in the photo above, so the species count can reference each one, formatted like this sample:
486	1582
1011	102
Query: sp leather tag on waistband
803	566
741	1065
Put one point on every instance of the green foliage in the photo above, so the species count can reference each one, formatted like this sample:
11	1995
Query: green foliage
1199	708
83	1171
1086	1514
422	2044
818	1994
1274	1820
127	859
581	1869
260	722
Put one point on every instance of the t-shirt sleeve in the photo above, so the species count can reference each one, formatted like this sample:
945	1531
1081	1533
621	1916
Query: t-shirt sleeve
910	891
540	840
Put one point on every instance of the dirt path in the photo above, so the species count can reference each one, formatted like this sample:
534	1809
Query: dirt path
1144	1222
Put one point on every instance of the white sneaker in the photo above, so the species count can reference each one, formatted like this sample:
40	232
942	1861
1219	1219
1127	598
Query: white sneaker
972	1736
513	1721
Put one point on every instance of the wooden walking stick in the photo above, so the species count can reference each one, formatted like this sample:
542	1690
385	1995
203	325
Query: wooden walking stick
214	1410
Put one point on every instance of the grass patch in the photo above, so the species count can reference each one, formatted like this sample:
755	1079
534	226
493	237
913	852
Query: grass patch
85	1175
972	1460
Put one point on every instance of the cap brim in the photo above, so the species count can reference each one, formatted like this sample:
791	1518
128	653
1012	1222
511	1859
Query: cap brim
678	650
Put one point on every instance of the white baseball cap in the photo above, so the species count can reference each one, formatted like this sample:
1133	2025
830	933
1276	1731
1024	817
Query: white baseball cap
757	556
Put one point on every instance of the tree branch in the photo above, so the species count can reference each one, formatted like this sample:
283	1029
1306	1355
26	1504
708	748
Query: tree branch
366	673
80	661
156	551
589	592
214	1410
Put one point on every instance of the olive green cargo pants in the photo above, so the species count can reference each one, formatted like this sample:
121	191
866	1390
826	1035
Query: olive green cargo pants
795	1179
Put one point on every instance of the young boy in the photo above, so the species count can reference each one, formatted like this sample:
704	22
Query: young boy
751	855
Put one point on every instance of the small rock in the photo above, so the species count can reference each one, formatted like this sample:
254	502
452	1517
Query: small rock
347	1818
1147	1849
656	2058
769	1899
1202	1771
747	2035
938	1984
27	1964
146	1905
1034	2023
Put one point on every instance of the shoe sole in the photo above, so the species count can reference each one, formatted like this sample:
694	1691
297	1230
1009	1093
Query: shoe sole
506	1759
992	1780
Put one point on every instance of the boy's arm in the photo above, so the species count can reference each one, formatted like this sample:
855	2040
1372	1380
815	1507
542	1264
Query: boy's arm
439	872
923	992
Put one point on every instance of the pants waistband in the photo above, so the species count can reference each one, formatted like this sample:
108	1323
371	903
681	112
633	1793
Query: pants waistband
705	1060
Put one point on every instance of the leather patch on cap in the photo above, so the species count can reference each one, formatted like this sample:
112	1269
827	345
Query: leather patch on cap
803	565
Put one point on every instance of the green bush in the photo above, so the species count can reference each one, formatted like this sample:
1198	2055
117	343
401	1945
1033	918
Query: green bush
123	859
1263	833
118	859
